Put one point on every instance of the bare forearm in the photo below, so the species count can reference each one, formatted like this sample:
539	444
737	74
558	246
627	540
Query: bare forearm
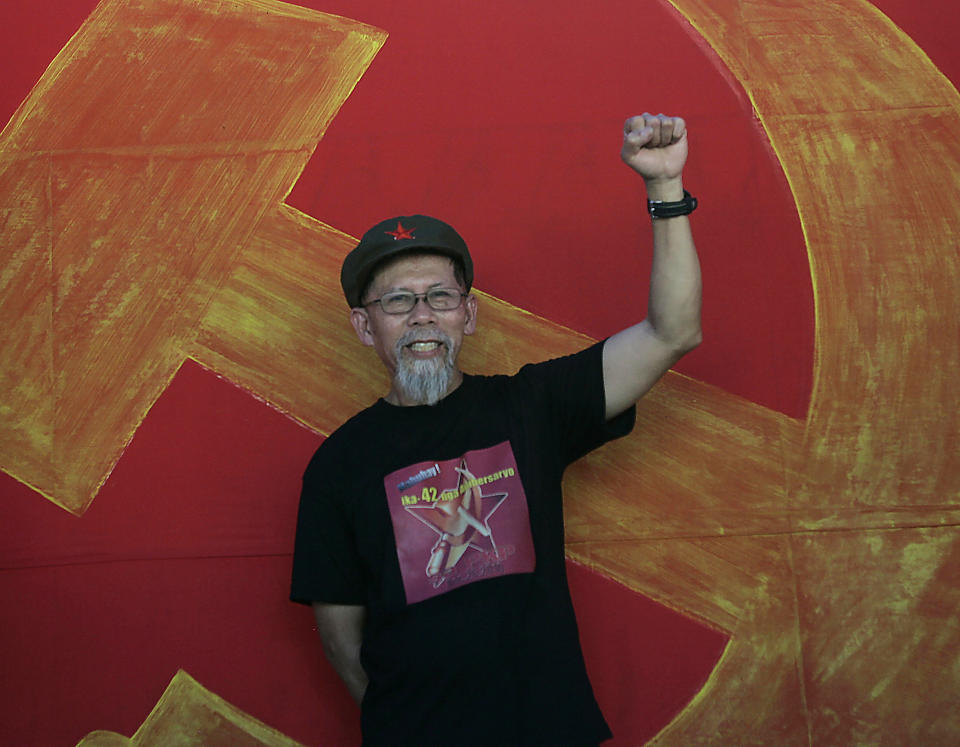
347	665
673	309
341	632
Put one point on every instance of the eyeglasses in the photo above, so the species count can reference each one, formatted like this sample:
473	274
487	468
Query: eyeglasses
402	302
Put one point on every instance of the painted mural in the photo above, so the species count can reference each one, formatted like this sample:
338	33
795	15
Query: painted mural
771	556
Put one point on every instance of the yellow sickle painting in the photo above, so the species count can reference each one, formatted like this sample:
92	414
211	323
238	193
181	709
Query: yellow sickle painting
823	546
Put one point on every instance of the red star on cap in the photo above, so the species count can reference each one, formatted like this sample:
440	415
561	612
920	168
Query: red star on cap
401	232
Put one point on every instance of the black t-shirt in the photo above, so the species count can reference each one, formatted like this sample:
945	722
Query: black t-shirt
446	522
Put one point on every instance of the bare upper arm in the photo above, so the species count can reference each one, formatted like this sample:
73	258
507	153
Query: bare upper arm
633	361
340	625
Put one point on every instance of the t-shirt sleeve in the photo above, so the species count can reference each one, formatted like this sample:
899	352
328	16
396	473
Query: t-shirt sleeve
569	391
326	566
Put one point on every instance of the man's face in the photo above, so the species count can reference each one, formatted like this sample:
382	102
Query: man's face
421	343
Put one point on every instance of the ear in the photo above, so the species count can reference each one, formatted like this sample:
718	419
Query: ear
470	321
360	319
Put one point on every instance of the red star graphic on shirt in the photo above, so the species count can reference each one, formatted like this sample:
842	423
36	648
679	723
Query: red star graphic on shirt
401	232
461	522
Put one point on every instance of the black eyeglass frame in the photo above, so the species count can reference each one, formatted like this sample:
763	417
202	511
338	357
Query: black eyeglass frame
416	299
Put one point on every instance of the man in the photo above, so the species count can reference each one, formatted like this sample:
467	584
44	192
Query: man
430	533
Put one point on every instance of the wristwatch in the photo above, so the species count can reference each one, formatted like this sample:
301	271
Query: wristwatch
661	209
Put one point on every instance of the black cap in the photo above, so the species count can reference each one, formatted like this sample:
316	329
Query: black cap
395	236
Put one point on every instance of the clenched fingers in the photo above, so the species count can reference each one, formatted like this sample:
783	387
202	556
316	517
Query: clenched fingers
653	130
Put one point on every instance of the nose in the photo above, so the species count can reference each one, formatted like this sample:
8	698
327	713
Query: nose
421	313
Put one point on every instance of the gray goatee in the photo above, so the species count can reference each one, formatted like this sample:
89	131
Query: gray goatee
423	382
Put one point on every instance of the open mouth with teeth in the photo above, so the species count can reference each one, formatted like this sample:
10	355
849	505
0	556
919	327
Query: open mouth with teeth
423	346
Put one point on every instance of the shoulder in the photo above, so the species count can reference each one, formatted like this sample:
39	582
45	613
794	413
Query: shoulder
585	361
346	443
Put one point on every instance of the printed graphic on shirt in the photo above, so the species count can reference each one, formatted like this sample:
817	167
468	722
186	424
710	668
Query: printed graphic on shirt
459	521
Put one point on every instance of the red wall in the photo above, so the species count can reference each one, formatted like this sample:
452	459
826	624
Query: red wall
504	118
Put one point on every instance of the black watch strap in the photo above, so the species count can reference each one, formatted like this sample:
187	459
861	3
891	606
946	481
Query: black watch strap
661	209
